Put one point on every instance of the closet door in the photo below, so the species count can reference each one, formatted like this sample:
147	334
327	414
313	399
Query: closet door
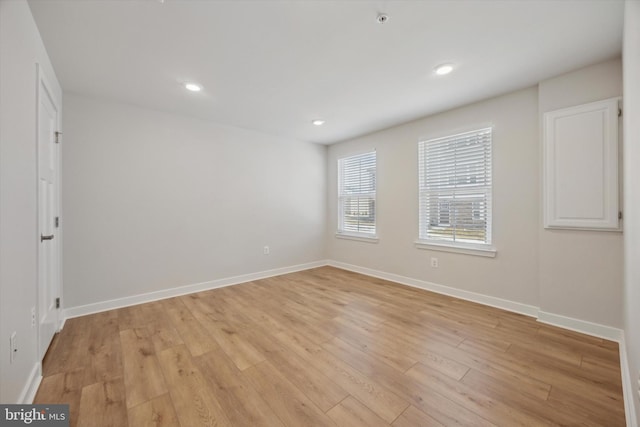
581	188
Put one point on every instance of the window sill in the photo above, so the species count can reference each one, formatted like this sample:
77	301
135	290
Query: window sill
486	251
359	238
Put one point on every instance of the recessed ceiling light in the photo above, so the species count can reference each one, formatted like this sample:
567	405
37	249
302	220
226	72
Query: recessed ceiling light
318	122
443	69
193	87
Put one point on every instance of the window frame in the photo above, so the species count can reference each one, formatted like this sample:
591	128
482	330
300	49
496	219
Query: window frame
342	232
470	248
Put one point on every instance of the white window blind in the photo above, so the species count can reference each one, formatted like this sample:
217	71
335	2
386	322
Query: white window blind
455	188
357	195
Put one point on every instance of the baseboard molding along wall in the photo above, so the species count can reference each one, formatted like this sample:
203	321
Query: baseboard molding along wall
31	387
627	384
577	325
97	307
582	326
516	307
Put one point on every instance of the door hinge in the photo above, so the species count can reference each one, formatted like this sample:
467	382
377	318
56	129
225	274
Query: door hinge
619	214
56	222
619	112
58	137
58	302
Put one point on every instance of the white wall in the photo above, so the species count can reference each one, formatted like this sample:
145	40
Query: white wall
154	201
513	274
576	274
631	58
20	49
581	271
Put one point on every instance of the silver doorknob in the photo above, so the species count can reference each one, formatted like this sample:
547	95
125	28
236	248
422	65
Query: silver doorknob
43	238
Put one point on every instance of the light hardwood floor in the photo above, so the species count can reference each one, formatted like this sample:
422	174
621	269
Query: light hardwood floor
328	347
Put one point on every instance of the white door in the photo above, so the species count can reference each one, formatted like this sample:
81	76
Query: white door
48	239
582	194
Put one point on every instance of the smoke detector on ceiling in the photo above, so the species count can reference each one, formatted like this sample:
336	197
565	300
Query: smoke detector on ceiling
382	18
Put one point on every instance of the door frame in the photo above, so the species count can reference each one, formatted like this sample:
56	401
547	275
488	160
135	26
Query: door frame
43	82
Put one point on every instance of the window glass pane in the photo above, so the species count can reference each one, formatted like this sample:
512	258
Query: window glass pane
455	188
357	194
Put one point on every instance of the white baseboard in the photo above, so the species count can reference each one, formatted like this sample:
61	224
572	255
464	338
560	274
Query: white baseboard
627	385
582	326
516	307
577	325
83	310
31	387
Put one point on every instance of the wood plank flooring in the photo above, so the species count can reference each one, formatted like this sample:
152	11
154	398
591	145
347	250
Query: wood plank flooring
327	347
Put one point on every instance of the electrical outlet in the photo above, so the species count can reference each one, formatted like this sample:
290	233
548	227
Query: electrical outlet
265	250
434	262
13	347
33	317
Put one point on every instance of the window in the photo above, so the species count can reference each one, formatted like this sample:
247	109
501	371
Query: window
455	189
357	195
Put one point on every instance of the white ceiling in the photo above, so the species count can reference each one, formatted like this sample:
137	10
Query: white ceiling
274	66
